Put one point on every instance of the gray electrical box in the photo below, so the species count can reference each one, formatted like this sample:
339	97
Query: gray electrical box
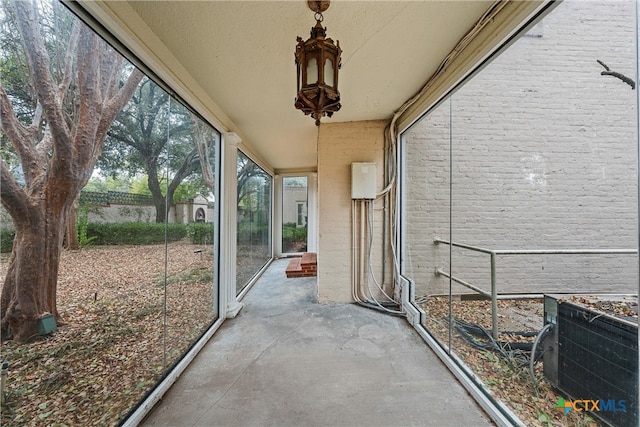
363	180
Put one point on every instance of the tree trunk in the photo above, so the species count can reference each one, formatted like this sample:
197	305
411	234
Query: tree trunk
56	166
30	286
161	208
159	199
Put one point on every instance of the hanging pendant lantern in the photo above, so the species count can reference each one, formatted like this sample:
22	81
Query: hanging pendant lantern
317	64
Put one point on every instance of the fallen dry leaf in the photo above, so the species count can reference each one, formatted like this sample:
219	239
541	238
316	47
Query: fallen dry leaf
505	375
116	342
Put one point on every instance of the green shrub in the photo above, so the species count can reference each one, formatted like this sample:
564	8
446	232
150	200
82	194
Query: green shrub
292	234
200	233
135	233
126	233
176	232
6	239
250	232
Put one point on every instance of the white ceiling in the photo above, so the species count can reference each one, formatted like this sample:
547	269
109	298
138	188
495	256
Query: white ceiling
237	59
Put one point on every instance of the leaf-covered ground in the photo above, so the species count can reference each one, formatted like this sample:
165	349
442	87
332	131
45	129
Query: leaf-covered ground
121	332
507	375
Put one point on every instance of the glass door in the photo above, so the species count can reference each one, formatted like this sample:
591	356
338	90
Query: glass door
294	214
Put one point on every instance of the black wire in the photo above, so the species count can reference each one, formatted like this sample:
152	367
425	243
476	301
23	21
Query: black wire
469	330
521	333
466	330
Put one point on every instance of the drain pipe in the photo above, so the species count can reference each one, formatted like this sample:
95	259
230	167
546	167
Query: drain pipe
3	381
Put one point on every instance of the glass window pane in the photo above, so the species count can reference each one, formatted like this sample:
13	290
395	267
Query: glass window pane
125	314
426	205
328	72
541	168
254	220
312	71
190	283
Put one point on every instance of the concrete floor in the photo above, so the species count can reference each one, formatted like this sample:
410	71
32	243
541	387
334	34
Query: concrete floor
286	360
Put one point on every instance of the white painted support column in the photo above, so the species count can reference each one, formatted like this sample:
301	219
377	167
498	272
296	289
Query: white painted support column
277	215
229	225
312	212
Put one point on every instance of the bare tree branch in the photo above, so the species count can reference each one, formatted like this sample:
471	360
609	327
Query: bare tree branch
38	60
117	103
44	146
620	76
603	64
204	150
90	104
12	195
110	70
68	61
186	168
22	138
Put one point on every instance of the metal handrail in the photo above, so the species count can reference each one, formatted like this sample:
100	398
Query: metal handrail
539	251
493	294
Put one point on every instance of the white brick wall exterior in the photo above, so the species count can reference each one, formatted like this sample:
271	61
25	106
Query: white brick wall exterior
341	144
544	157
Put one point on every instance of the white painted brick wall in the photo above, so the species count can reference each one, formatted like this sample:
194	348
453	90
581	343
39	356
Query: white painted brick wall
341	144
544	156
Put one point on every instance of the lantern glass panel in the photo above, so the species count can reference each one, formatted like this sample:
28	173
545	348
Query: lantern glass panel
312	71
328	72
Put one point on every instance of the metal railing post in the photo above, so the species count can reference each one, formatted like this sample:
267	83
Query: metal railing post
494	297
